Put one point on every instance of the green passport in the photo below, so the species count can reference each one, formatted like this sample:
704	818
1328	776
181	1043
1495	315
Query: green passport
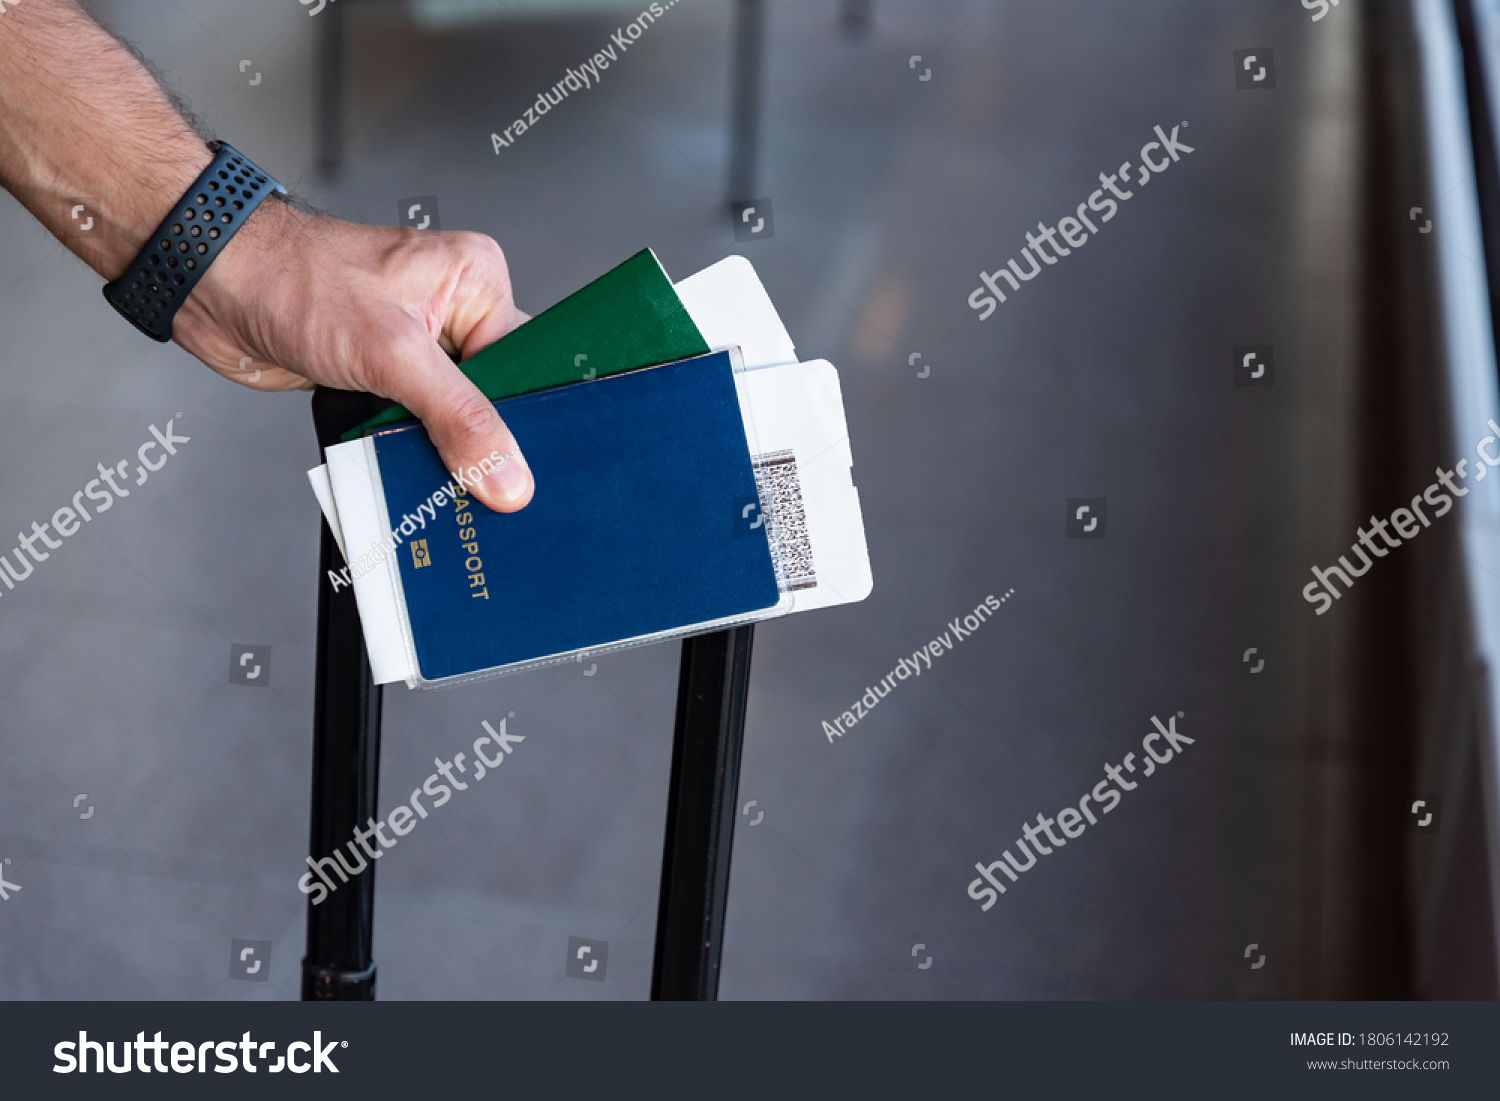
628	318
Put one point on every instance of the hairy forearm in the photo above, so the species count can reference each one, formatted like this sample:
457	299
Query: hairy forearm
81	120
293	298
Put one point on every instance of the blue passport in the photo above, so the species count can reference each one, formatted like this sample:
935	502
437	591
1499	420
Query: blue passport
631	532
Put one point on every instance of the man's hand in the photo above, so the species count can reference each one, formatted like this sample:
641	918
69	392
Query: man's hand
296	299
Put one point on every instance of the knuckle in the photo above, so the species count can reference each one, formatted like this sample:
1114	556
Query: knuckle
481	242
474	418
482	249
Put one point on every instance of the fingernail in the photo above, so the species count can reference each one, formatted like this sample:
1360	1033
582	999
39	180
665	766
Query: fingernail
507	483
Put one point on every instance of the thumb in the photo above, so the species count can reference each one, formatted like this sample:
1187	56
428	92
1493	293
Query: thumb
476	447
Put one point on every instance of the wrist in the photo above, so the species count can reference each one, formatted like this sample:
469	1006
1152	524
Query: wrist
118	213
255	262
130	212
195	233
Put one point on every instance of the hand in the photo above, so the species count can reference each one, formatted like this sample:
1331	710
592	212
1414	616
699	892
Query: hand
310	299
306	298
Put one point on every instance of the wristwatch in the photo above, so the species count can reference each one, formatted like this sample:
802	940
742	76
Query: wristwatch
194	232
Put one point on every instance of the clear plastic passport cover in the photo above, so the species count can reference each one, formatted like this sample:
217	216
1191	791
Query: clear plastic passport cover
639	531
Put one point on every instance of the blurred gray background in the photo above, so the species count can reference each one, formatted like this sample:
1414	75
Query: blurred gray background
1107	376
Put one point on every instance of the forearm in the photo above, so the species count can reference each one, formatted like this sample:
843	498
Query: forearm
81	119
292	298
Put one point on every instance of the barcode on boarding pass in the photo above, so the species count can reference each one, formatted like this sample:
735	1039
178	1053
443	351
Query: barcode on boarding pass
791	547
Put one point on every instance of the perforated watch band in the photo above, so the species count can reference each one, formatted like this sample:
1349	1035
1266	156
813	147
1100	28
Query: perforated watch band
194	232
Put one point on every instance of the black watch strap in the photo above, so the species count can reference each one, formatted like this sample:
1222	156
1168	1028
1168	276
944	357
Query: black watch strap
194	232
